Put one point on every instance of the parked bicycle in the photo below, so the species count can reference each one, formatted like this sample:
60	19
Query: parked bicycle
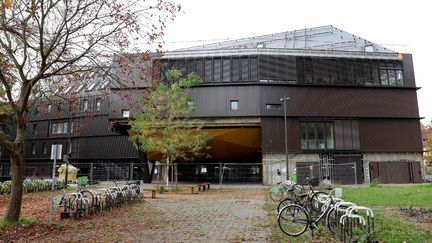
295	219
301	198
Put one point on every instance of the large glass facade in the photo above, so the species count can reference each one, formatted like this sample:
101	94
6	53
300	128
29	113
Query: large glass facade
316	135
293	70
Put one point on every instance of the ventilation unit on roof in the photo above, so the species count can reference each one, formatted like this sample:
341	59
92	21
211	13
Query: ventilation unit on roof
369	49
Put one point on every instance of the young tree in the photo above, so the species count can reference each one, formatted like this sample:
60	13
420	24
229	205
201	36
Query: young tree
428	143
49	43
164	126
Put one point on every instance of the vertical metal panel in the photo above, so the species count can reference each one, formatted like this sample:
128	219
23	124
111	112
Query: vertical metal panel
416	172
215	101
339	135
408	68
355	135
380	135
291	67
273	139
108	147
343	102
347	135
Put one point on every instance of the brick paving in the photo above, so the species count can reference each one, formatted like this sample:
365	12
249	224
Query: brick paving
227	215
218	215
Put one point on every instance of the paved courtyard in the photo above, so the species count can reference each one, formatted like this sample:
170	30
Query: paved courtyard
218	215
226	215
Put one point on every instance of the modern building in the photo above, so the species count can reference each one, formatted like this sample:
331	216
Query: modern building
352	113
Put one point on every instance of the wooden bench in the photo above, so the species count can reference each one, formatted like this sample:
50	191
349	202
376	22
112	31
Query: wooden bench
153	192
202	187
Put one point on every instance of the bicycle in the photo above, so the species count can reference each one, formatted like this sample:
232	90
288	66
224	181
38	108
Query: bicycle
302	198
295	219
281	189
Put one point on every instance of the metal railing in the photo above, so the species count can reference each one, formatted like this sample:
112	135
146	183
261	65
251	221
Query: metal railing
283	52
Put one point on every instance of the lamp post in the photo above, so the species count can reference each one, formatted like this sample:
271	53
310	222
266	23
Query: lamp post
284	100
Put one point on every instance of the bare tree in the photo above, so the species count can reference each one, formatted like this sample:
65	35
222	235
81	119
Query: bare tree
47	43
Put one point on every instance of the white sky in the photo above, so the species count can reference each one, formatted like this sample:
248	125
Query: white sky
405	23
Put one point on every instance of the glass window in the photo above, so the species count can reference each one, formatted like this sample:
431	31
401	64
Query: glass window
307	70
235	70
245	69
98	104
217	70
316	135
367	72
36	110
44	148
311	136
125	113
91	87
273	107
391	77
254	69
54	128
49	107
208	70
303	131
226	70
199	68
399	78
65	127
329	135
85	105
234	105
33	148
375	73
60	128
79	88
35	131
320	135
383	77
190	104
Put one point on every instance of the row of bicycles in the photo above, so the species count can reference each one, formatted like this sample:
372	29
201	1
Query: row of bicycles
299	209
85	201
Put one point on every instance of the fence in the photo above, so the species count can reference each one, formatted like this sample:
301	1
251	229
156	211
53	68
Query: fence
185	172
94	171
220	172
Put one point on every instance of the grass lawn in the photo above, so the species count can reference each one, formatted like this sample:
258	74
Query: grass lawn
392	223
416	195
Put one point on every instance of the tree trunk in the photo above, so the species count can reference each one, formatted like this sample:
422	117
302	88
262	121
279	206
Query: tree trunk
13	211
14	206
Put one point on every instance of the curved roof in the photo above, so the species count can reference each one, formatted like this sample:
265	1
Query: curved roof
317	38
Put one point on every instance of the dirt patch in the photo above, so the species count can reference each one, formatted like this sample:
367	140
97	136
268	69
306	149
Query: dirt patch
420	215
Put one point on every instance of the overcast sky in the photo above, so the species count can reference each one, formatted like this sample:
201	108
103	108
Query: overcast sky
400	25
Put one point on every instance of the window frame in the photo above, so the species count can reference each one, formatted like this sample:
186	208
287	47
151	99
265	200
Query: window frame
305	143
234	105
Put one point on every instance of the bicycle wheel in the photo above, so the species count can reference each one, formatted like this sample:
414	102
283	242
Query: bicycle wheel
315	205
276	194
293	220
332	221
283	203
89	195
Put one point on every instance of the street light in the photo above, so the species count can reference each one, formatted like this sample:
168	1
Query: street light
284	100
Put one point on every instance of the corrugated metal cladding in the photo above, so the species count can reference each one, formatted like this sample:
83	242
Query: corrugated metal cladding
346	135
342	101
215	101
408	70
109	147
272	137
390	135
308	101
